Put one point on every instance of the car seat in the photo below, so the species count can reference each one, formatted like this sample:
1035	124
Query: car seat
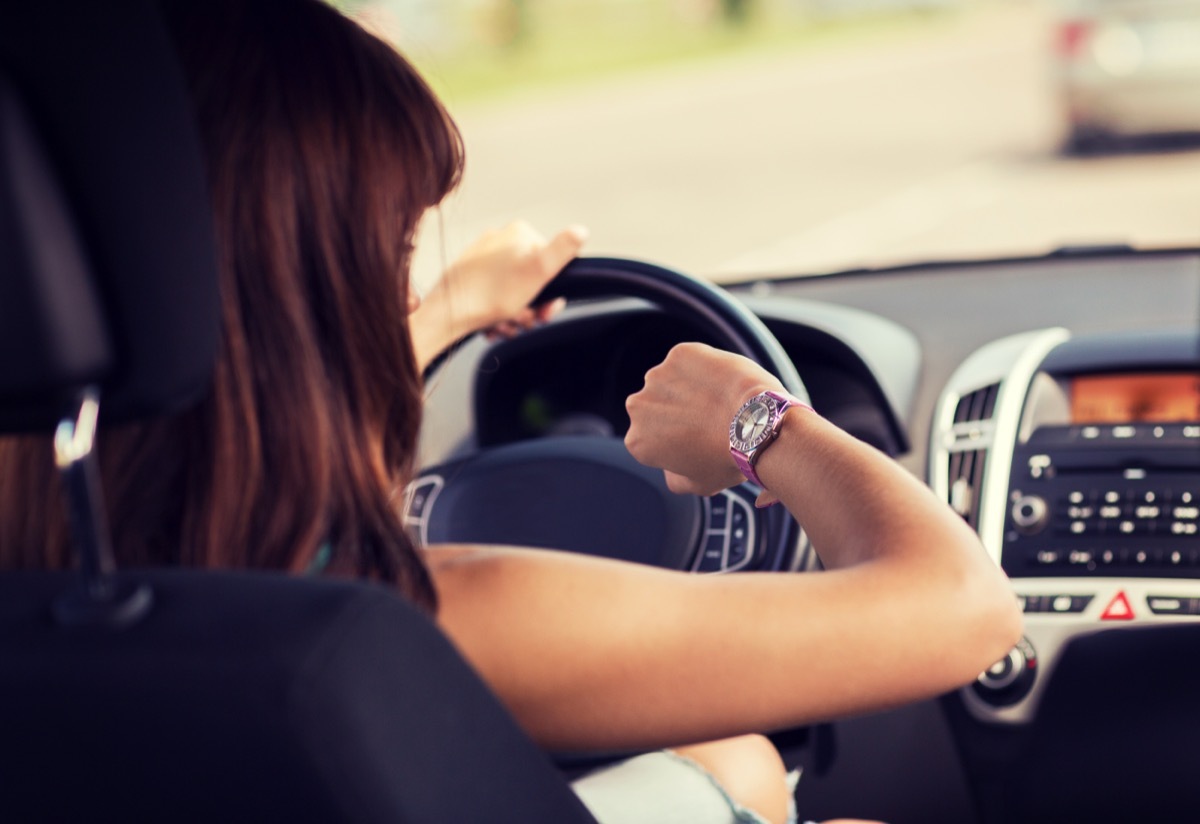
172	694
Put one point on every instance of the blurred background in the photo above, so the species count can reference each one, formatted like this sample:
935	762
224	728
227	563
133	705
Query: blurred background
736	139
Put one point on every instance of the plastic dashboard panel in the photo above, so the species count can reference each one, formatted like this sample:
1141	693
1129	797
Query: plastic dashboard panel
1040	763
577	372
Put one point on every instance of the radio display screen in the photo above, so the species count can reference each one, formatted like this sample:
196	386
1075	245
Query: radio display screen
1135	398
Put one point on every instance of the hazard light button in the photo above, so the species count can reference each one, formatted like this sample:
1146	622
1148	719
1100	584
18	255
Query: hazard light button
1118	609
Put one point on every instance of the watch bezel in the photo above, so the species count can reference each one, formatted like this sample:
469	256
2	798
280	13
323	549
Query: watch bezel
775	404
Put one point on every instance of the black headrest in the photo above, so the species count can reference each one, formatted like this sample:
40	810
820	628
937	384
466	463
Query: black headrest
107	263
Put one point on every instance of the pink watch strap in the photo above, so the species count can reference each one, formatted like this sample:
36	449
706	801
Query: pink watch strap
743	463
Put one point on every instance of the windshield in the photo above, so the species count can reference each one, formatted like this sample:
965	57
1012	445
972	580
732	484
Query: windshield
736	139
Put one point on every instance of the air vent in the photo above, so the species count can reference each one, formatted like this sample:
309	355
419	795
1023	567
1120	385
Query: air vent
970	438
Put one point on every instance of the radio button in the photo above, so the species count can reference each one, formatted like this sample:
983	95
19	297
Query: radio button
1135	527
1069	603
1029	513
1170	605
1046	557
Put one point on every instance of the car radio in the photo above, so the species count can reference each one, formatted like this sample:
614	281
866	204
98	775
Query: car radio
1116	490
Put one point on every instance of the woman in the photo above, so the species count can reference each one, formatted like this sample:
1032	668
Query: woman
320	170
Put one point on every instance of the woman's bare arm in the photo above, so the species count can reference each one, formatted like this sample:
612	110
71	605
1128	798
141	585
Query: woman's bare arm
591	653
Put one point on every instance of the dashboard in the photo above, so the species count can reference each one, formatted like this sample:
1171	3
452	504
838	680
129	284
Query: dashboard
1054	403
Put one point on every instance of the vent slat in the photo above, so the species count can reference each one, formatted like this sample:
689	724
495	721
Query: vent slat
989	404
967	465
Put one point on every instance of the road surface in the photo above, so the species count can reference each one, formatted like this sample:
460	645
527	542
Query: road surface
933	142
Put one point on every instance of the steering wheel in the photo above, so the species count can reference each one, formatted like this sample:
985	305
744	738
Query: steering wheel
586	493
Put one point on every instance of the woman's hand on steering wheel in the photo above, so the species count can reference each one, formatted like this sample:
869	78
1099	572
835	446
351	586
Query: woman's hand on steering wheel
491	286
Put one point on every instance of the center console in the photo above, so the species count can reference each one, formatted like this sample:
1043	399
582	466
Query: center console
1078	461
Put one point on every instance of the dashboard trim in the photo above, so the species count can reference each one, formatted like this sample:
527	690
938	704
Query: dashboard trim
1011	400
1010	362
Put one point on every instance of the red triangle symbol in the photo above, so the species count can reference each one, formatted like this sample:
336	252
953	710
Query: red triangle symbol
1118	609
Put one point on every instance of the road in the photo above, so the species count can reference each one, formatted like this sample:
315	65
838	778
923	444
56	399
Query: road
929	142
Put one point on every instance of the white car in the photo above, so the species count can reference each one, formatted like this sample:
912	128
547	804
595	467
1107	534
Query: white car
1128	68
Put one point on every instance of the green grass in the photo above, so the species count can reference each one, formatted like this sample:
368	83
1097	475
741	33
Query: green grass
577	41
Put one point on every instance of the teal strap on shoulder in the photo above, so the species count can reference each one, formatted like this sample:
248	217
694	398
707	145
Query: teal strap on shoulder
320	561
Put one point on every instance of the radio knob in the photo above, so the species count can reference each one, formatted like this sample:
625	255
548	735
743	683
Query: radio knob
1011	678
1029	514
1004	672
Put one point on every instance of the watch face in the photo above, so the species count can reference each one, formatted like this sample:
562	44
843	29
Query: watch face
752	425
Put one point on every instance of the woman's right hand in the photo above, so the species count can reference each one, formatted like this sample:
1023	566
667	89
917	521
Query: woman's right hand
679	421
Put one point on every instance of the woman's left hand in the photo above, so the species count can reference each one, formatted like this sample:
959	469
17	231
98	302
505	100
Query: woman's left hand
679	420
491	285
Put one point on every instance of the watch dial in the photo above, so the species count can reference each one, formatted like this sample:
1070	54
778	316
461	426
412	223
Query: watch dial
753	422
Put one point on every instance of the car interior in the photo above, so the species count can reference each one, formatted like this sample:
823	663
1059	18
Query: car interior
1052	401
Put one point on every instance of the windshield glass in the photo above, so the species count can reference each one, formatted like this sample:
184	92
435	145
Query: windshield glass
740	138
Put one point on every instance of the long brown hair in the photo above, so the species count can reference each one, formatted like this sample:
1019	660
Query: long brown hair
324	148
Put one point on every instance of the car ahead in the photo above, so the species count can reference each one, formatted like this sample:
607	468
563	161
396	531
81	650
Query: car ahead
1128	69
1053	400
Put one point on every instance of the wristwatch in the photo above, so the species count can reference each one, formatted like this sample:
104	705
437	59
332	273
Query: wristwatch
753	429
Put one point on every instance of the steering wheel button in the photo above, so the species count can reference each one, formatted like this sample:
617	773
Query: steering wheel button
718	511
712	553
739	554
421	493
